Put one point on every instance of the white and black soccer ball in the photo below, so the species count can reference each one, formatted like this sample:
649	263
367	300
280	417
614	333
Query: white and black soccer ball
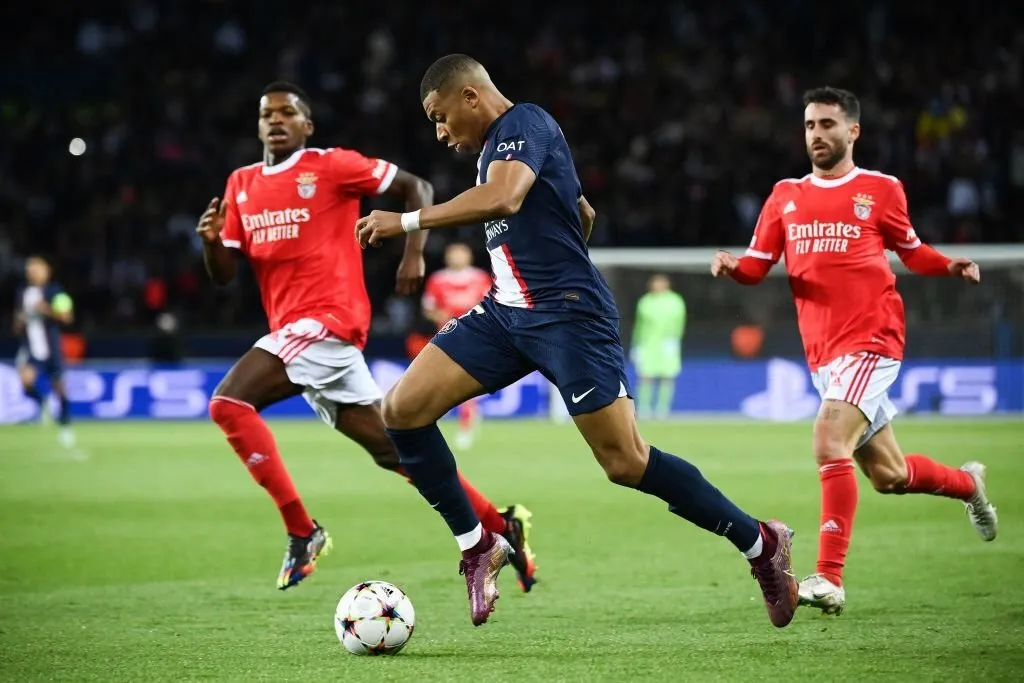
374	618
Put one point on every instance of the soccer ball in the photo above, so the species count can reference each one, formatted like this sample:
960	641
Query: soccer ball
374	618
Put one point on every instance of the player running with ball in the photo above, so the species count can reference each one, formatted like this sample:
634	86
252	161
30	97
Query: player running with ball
833	226
292	217
550	310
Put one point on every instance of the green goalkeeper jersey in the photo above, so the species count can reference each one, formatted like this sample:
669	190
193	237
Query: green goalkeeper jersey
658	334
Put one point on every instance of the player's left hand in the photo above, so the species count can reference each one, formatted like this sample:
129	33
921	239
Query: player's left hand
411	272
378	226
965	268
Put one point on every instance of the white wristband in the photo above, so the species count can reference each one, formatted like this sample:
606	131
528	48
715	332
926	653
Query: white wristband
411	221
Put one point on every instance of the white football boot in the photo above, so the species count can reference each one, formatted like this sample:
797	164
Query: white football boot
980	510
817	591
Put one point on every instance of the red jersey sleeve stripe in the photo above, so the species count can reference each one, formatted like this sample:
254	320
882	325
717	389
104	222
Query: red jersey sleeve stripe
389	177
763	255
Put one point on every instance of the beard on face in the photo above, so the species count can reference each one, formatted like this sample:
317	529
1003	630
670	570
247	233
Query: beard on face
836	154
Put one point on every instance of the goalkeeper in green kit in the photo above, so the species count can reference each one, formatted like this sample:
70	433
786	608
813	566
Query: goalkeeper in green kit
657	346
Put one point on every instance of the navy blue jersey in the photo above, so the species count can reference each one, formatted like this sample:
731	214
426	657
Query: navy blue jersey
539	256
40	339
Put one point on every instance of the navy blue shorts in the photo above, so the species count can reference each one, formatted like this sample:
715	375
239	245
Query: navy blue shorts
582	356
52	367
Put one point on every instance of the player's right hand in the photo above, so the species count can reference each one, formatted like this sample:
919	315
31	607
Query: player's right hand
212	221
723	264
965	268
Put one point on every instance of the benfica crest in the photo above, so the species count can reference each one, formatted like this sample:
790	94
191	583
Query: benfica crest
307	185
862	204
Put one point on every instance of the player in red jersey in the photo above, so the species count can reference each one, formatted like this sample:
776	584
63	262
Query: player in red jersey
292	217
833	226
451	293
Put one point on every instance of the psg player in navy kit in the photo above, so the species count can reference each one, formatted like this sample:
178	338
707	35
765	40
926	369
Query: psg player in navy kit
549	310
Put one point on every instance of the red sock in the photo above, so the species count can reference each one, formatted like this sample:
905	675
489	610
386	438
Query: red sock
489	517
249	435
467	415
838	507
924	475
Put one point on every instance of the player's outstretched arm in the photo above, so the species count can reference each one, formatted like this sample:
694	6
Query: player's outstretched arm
925	260
748	270
899	235
587	217
219	259
501	196
417	194
766	248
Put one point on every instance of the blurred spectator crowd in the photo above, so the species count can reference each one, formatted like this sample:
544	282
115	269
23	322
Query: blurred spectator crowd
681	116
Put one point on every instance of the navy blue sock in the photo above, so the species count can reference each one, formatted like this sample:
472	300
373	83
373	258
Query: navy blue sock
693	498
33	393
65	411
429	462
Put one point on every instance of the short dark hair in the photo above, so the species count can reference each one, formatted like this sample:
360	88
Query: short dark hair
844	99
442	71
285	86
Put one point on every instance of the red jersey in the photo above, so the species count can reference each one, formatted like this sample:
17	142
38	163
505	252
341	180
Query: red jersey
456	291
295	222
834	233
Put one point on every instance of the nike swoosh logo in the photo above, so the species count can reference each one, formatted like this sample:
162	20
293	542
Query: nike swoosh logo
577	399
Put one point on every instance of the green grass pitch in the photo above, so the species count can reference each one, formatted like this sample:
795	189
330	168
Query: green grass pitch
152	557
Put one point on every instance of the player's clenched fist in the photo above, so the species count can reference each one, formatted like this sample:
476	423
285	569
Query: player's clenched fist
379	225
212	220
965	268
723	264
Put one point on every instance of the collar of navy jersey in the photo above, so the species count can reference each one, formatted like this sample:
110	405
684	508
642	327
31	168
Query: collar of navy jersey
494	123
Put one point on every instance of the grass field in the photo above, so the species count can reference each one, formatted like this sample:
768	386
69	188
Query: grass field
152	557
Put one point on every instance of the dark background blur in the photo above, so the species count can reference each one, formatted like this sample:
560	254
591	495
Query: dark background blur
681	117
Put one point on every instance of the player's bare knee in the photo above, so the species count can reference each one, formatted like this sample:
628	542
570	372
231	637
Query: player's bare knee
224	389
828	447
398	412
830	443
388	413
